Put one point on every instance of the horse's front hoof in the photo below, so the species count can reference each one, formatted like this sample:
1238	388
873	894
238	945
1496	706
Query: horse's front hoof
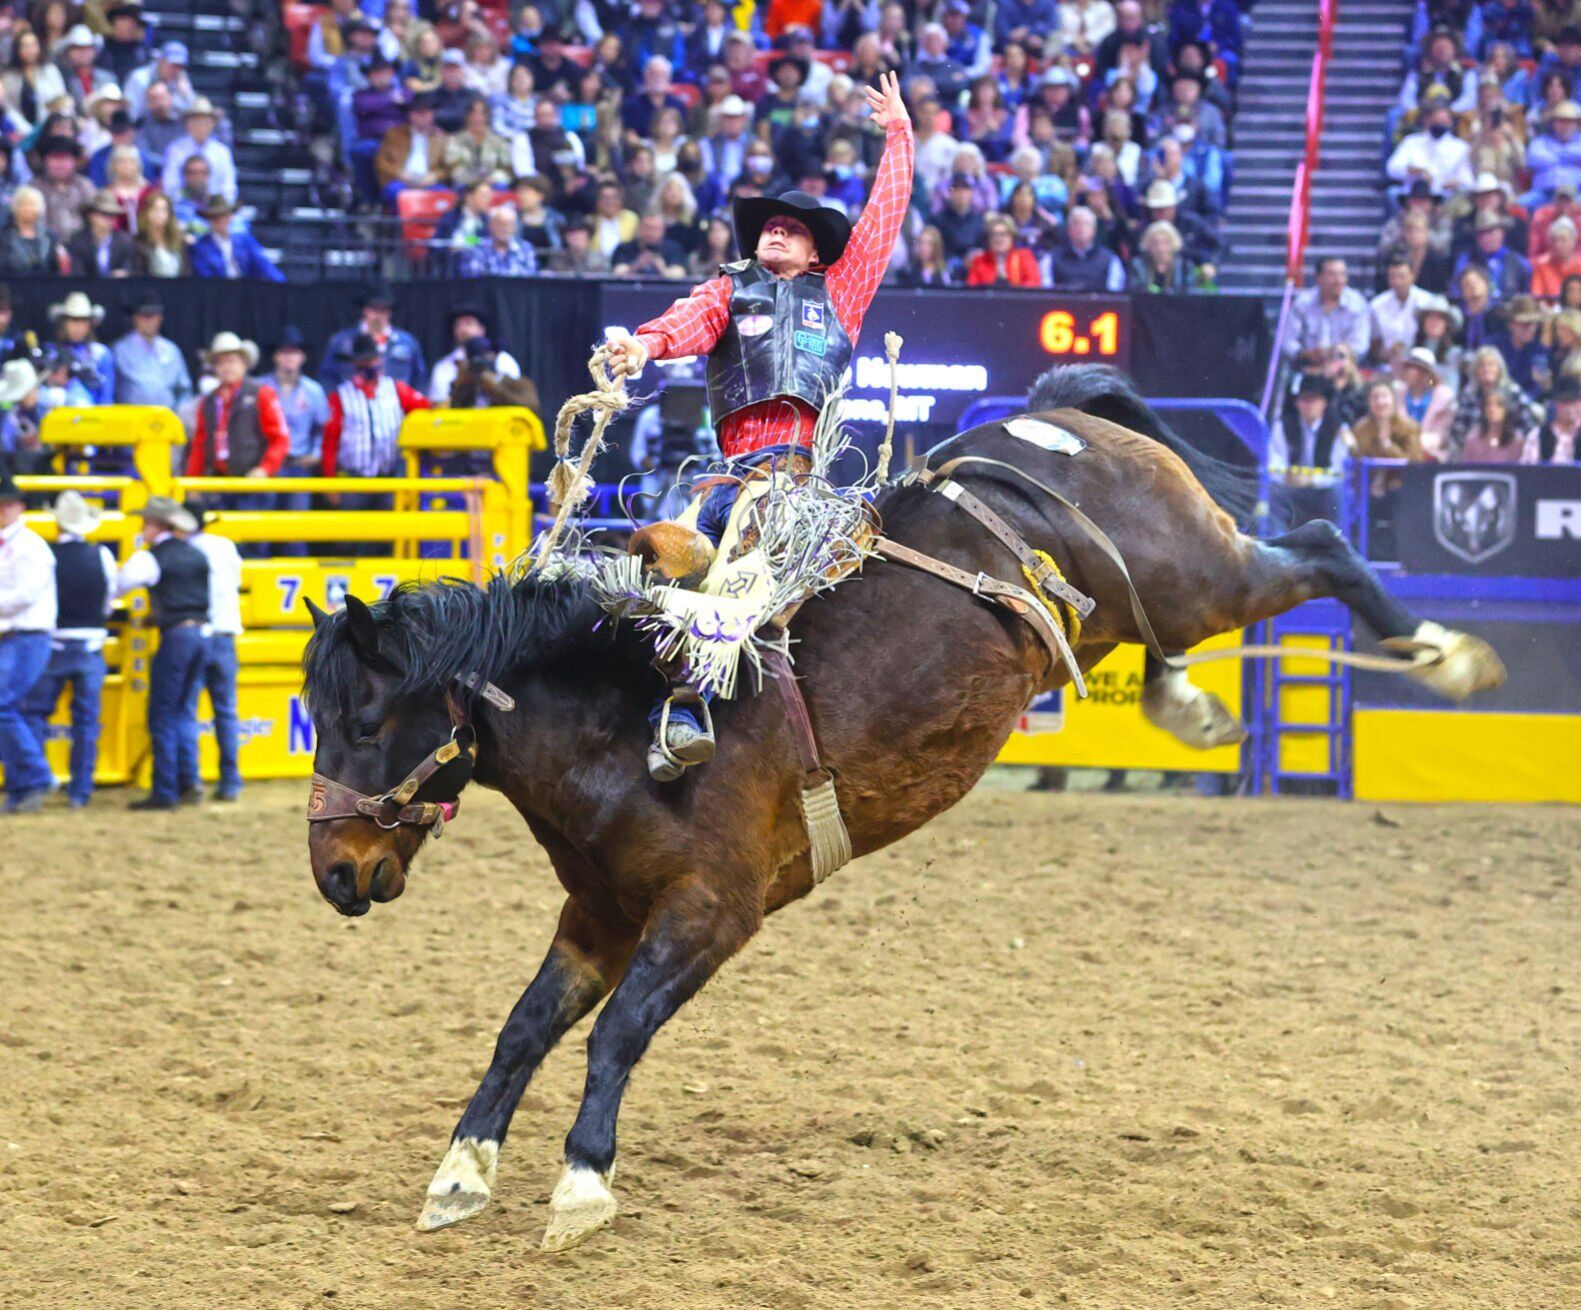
1196	718
462	1184
582	1204
1465	664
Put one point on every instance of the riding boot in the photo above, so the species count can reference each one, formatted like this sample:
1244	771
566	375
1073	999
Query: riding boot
683	734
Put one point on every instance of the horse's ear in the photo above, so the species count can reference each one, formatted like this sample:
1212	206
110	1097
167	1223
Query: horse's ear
364	631
318	615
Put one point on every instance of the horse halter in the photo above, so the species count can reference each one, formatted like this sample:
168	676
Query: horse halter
330	800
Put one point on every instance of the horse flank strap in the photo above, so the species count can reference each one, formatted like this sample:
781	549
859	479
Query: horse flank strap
795	711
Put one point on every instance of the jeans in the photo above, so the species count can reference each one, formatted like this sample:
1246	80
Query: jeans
219	677
296	467
71	661
23	658
173	679
249	501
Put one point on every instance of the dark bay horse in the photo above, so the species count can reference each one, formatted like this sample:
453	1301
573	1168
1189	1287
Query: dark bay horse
912	685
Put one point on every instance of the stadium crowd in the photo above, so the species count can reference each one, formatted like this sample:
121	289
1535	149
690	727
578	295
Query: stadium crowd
1468	348
1083	145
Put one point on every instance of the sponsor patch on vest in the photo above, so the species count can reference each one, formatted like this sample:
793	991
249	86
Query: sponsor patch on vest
812	342
812	315
754	325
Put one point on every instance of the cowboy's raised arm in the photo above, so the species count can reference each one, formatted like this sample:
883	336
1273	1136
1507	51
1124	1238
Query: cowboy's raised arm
854	278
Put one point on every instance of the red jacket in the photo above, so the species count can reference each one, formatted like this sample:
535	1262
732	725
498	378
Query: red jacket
271	420
409	399
1021	269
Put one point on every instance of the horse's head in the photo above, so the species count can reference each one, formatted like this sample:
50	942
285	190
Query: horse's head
389	764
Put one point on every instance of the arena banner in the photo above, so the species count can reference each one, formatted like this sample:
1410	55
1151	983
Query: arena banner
1508	520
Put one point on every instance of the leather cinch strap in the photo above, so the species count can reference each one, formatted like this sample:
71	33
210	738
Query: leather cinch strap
796	712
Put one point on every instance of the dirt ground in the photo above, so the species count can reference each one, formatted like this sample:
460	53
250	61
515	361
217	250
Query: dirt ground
1085	1050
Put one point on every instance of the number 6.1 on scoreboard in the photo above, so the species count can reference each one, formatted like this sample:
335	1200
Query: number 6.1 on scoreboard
1058	334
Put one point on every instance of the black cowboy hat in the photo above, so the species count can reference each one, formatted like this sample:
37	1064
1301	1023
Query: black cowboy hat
466	311
290	339
1314	384
802	66
363	346
829	227
380	295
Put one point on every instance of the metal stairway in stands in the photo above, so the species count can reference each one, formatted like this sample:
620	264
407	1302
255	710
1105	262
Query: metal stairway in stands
1270	128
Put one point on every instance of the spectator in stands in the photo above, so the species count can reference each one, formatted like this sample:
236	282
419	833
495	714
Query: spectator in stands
200	120
412	153
227	253
1079	263
552	69
1508	273
649	253
1035	227
1214	23
1348	397
304	409
169	68
149	368
84	591
1395	310
326	43
1519	341
452	97
966	44
1424	399
1083	24
1002	262
1564	38
1476	307
26	246
100	248
541	226
64	188
1131	29
218	668
380	104
486	71
159	126
91	363
8	338
28	616
133	171
1430	268
477	152
578	253
158	247
480	384
467	224
82	76
1497	435
401	358
724	149
929	265
241	429
1421	198
1490	196
31	82
1565	343
125	49
1555	157
639	111
959	221
613	223
1328	315
1310	435
346	75
366	409
1509	21
1440	75
1486	376
503	253
1383	432
1162	204
1563	205
1498	145
1562	261
1555	442
1434	154
1440	325
466	322
1195	119
933	61
513	109
1160	263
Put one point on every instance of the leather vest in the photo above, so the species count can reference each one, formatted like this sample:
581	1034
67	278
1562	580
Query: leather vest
244	433
783	339
80	585
182	592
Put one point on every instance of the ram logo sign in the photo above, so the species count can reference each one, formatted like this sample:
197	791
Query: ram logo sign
1474	514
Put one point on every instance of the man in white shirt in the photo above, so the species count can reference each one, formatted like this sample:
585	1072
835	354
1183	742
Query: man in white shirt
27	617
219	661
1395	311
201	119
1435	153
466	323
84	591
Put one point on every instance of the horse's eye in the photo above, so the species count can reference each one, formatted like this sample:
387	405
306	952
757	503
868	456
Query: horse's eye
369	730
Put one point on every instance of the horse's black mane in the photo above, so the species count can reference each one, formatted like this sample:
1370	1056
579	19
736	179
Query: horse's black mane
430	633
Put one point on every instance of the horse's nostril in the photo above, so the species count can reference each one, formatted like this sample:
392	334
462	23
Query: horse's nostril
340	883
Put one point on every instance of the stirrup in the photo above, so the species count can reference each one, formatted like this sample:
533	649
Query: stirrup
677	759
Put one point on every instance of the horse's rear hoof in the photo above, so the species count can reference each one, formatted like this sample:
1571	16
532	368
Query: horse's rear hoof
462	1184
1465	664
582	1204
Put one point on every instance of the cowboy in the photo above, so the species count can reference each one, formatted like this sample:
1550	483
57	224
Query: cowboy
241	430
27	617
21	416
810	277
91	361
100	248
227	253
217	675
150	368
200	119
84	591
176	574
400	355
361	439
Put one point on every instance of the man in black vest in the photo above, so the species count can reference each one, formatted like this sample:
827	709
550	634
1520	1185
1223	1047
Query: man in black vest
176	574
84	585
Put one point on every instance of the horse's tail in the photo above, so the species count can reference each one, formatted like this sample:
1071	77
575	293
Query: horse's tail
1104	392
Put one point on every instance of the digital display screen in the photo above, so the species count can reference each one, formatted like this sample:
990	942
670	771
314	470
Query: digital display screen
959	346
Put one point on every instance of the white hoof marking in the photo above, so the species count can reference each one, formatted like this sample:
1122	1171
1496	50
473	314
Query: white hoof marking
1466	665
1196	717
462	1184
582	1204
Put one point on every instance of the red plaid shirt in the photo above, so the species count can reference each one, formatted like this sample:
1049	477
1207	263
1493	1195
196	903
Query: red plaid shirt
692	326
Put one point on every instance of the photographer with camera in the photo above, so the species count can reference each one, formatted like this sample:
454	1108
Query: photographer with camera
481	383
90	363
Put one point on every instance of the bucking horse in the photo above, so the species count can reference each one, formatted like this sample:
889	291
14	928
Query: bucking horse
911	686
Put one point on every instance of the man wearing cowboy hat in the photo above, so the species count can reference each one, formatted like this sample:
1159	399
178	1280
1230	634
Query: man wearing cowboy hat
1520	342
402	356
91	362
223	252
168	67
125	49
100	248
218	676
1555	156
27	617
779	329
200	120
365	415
465	322
241	431
76	65
1508	273
1558	441
84	592
21	416
149	368
64	188
176	574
